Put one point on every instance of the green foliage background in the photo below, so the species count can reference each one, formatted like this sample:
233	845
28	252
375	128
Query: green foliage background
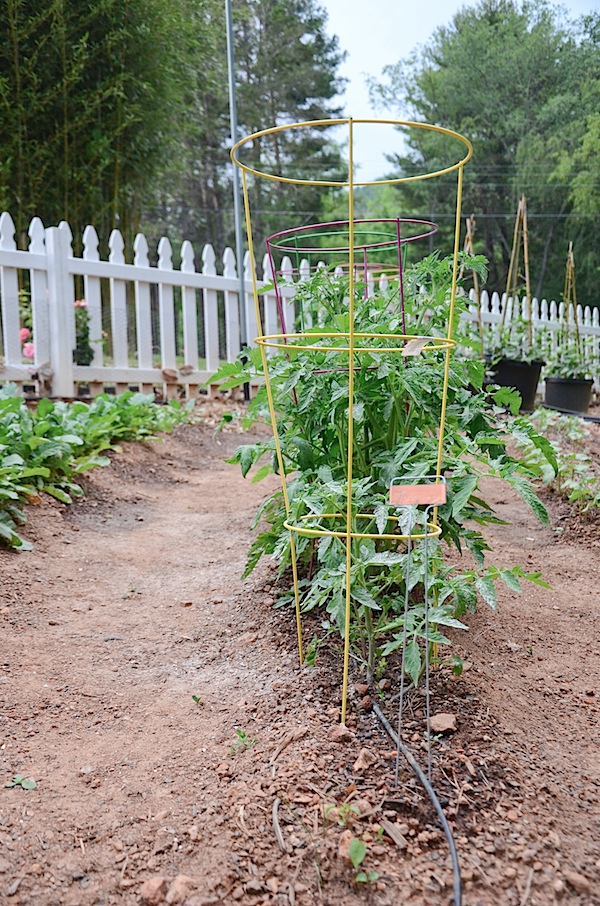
115	112
523	83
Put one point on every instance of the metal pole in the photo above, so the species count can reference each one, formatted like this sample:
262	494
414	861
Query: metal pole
237	204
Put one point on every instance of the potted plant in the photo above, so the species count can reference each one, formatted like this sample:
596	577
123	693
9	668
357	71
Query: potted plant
515	356
568	383
515	360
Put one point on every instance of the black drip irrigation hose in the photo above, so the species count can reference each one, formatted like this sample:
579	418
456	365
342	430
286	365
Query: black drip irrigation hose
457	884
584	415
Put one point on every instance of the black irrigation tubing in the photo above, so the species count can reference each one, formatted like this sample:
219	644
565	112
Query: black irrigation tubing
584	415
457	884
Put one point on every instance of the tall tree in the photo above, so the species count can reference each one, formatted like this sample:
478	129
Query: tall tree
520	81
286	72
88	93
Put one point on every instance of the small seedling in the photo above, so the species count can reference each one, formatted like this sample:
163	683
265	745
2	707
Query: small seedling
357	852
347	813
197	699
24	782
242	742
311	653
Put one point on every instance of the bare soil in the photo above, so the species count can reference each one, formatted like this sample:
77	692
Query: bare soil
131	603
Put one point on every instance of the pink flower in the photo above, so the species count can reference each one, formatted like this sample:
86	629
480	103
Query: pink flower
24	334
80	303
29	351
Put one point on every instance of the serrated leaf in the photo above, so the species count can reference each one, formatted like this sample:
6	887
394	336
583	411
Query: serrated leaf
246	457
510	580
384	558
486	588
381	517
520	484
261	473
462	488
412	661
364	597
507	397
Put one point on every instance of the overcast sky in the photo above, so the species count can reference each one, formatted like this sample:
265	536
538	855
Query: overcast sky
384	32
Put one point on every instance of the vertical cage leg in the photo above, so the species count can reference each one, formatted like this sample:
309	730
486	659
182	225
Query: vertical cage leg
296	597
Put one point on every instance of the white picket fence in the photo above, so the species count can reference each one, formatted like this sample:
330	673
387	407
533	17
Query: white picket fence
549	318
168	330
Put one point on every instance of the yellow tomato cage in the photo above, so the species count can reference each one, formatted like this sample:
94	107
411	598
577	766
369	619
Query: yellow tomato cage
354	343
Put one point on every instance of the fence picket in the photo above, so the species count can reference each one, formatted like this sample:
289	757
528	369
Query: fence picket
211	313
252	326
190	317
9	291
93	297
118	307
60	305
232	307
271	318
143	311
287	295
40	316
166	310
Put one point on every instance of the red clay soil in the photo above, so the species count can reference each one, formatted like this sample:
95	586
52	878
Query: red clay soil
131	604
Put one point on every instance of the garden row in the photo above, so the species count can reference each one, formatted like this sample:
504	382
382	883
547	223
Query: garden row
395	433
44	450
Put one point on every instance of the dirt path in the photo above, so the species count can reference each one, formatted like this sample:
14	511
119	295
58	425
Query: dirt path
131	603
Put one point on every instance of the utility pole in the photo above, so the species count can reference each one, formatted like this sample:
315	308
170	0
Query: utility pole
237	204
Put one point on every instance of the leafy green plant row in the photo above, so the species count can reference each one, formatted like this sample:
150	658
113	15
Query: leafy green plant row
575	476
44	450
396	419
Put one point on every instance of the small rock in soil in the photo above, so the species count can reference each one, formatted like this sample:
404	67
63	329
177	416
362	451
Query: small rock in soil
254	887
180	888
579	883
344	845
364	761
340	733
366	703
163	844
361	688
443	723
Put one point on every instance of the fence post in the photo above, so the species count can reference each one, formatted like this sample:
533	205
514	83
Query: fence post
9	290
61	313
38	281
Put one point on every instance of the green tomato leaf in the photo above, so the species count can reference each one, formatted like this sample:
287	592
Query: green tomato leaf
486	588
412	661
524	488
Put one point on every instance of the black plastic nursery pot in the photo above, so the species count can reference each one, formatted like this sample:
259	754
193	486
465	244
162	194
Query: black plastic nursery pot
523	376
570	394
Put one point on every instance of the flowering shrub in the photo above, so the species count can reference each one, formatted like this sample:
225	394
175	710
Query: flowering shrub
83	353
